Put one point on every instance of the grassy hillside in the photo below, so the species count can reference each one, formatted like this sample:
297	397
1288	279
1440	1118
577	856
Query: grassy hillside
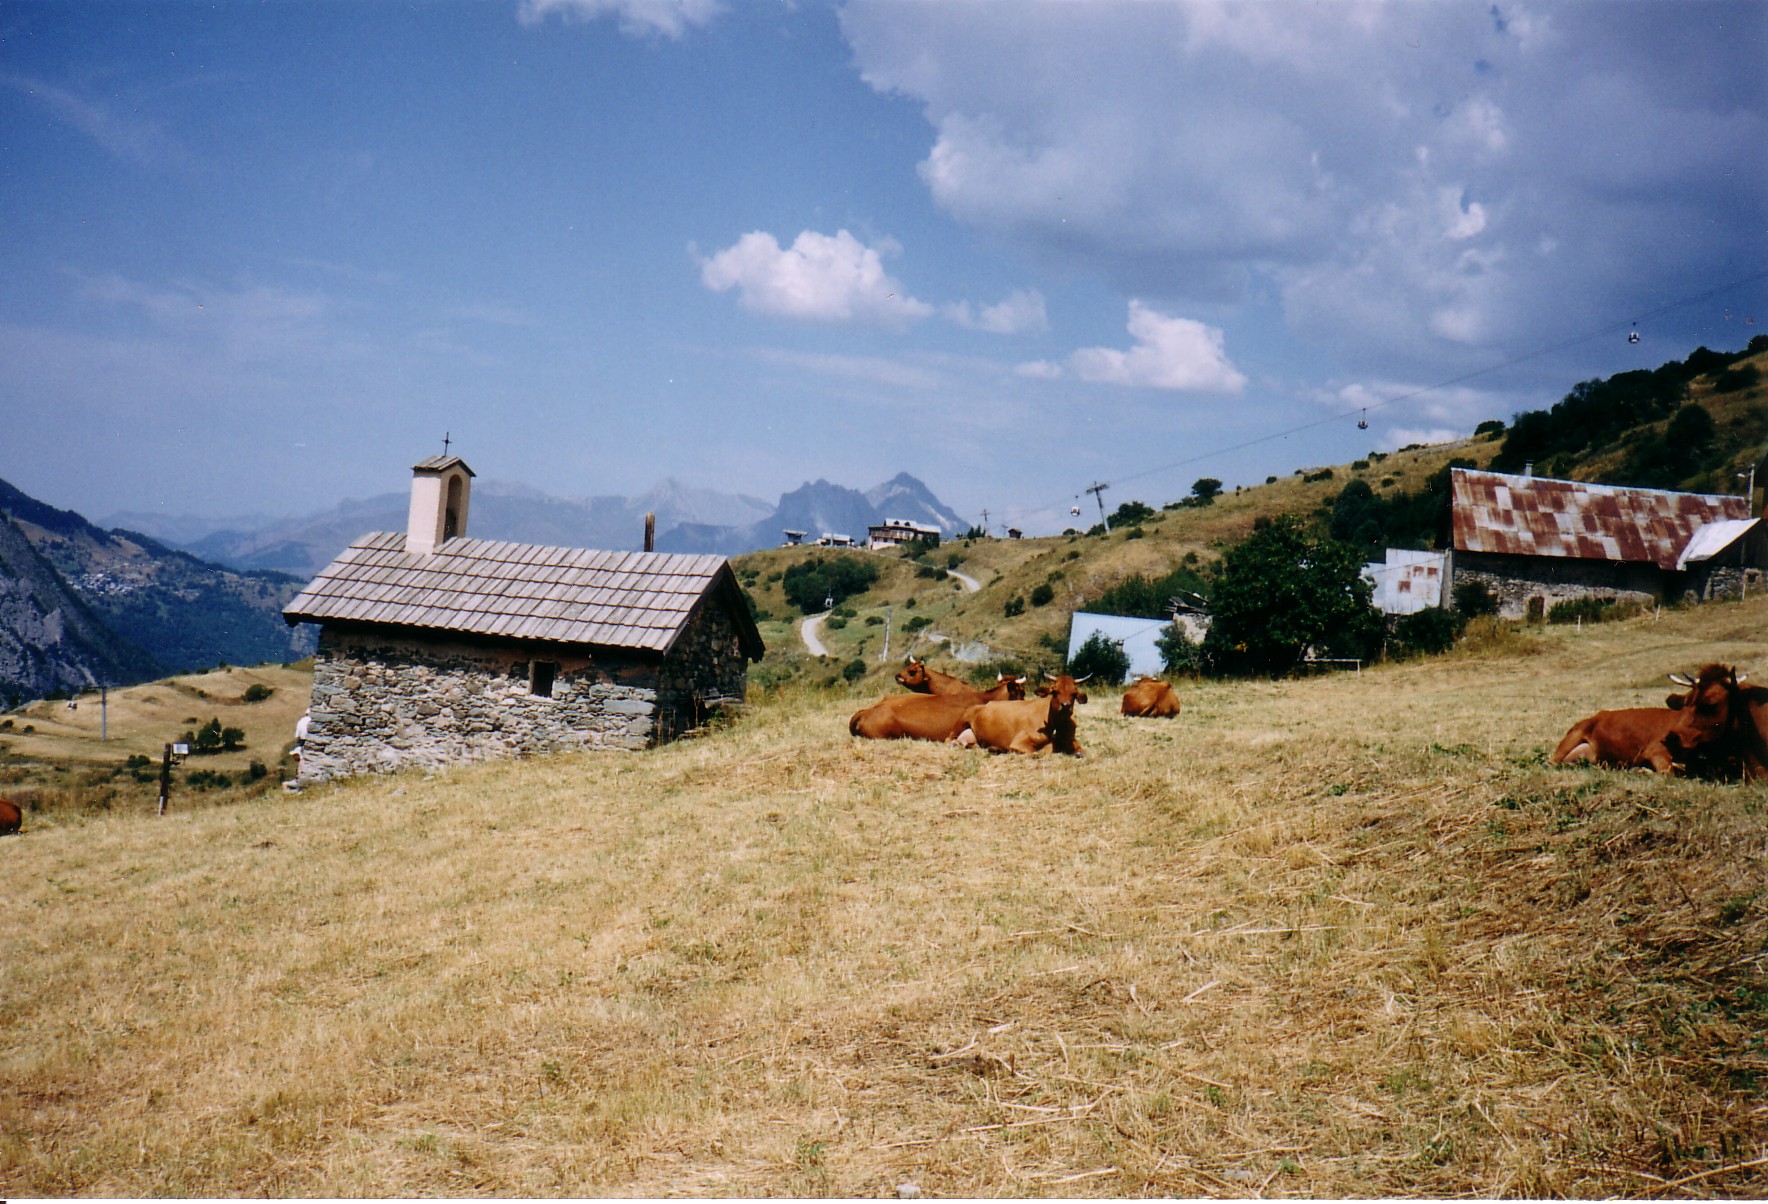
53	760
1344	936
1079	568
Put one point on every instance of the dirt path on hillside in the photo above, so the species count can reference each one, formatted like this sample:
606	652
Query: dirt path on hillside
808	632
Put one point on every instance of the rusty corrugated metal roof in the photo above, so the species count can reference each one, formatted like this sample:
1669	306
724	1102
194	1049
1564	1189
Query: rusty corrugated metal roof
485	587
1536	516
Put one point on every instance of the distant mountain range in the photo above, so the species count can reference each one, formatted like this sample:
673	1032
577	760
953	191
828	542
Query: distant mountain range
82	606
688	520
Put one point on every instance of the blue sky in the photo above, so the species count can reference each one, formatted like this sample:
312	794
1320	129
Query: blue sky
255	259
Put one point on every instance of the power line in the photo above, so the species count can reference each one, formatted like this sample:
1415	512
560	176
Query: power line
1610	328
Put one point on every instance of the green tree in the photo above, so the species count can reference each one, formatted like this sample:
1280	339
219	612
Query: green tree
1102	657
1131	514
1665	461
1205	490
1178	652
1285	590
810	585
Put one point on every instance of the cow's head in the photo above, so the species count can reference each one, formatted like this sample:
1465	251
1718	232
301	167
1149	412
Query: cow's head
1063	692
1015	685
1706	703
913	676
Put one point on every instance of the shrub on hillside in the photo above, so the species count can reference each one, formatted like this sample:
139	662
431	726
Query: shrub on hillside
1426	633
1140	597
1736	380
1591	610
211	737
257	692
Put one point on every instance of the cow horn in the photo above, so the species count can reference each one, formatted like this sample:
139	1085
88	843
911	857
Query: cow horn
1680	679
1742	677
1078	680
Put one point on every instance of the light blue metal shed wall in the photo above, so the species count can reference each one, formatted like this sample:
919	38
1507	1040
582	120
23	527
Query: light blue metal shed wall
1137	636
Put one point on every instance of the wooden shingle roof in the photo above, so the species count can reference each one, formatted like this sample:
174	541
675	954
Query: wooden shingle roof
1536	516
484	587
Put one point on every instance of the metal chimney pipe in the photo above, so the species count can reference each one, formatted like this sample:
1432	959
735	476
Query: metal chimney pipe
650	532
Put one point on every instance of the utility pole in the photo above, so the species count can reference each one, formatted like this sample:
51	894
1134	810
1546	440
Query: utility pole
165	778
103	713
985	524
1097	489
886	654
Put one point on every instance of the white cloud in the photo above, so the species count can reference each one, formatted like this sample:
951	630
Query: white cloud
125	135
1347	155
671	18
862	368
1017	313
1401	436
820	278
1178	354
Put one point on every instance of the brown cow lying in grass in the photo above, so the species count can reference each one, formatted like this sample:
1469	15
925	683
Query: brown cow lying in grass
1150	698
11	817
1719	701
1031	725
1696	722
914	717
916	676
936	712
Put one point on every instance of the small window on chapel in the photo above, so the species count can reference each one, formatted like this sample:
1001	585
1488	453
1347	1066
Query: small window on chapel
540	678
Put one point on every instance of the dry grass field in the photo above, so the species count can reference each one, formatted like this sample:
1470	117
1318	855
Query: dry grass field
1341	936
53	760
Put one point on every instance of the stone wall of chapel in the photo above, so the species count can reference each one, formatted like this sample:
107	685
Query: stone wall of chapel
704	669
388	700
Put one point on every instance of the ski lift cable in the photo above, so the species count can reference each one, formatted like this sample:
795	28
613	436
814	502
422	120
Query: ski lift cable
1341	415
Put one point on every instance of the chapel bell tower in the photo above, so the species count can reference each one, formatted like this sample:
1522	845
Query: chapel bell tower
439	490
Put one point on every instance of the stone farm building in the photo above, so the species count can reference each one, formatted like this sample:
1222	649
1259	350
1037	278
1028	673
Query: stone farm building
1534	542
435	648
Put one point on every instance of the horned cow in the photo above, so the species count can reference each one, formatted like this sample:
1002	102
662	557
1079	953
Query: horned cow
1726	722
1031	725
916	676
1695	723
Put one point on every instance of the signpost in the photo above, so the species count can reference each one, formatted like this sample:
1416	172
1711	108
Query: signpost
172	750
